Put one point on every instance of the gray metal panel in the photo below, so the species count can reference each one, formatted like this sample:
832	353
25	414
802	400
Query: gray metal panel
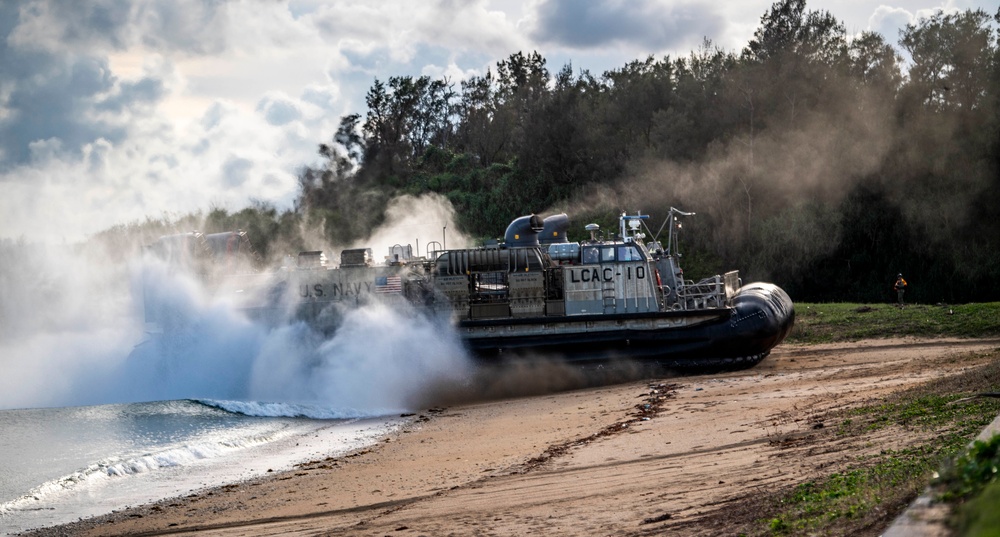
610	288
584	307
582	287
456	289
635	288
527	294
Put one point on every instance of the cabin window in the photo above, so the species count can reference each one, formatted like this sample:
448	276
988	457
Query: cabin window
628	253
591	255
607	254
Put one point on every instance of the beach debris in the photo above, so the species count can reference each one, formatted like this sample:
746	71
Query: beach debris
655	519
653	405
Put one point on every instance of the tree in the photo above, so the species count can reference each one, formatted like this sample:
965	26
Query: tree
874	63
788	30
792	59
483	129
632	96
522	79
349	138
806	134
403	120
952	57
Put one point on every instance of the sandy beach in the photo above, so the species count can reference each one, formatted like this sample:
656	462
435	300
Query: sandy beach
684	455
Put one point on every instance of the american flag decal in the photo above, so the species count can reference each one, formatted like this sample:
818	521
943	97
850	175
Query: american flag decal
388	284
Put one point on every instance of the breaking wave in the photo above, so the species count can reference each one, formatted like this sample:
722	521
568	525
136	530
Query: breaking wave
100	472
286	410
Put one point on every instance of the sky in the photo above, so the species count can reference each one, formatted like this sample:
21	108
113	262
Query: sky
112	111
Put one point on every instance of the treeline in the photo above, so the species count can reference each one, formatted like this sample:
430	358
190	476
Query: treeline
822	161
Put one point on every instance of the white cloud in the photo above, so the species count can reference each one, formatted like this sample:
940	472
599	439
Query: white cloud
399	32
324	97
452	72
278	109
888	21
112	110
45	150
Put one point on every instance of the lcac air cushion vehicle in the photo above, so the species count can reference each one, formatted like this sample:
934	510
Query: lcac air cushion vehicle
536	293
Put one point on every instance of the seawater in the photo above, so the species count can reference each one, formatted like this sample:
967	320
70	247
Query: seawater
61	464
100	410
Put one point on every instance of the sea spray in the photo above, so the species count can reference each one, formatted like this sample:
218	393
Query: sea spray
377	361
81	343
200	349
380	361
66	323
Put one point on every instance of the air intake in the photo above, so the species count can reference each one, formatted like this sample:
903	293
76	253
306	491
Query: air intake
523	231
554	229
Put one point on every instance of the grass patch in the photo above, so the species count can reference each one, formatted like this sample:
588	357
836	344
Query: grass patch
922	412
828	323
864	497
845	501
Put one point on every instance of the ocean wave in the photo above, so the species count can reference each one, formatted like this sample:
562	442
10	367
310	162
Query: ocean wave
294	410
117	467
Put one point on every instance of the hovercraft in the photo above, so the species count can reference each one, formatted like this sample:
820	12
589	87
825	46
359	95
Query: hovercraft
533	294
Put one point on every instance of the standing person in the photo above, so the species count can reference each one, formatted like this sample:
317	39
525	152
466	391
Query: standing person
900	287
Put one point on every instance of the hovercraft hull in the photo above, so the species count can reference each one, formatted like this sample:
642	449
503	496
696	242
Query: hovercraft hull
737	336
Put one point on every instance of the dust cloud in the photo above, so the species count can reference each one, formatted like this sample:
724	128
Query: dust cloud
781	181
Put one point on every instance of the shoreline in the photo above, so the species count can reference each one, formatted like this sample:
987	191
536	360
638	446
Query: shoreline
682	455
209	462
438	467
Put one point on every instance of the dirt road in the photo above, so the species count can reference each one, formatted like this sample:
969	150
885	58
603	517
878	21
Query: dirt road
685	456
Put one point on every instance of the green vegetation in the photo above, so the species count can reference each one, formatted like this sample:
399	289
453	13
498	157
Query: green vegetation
825	323
811	160
855	500
809	157
842	498
971	471
980	516
970	483
921	411
944	411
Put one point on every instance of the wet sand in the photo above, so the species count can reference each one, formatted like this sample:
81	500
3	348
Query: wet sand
677	455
